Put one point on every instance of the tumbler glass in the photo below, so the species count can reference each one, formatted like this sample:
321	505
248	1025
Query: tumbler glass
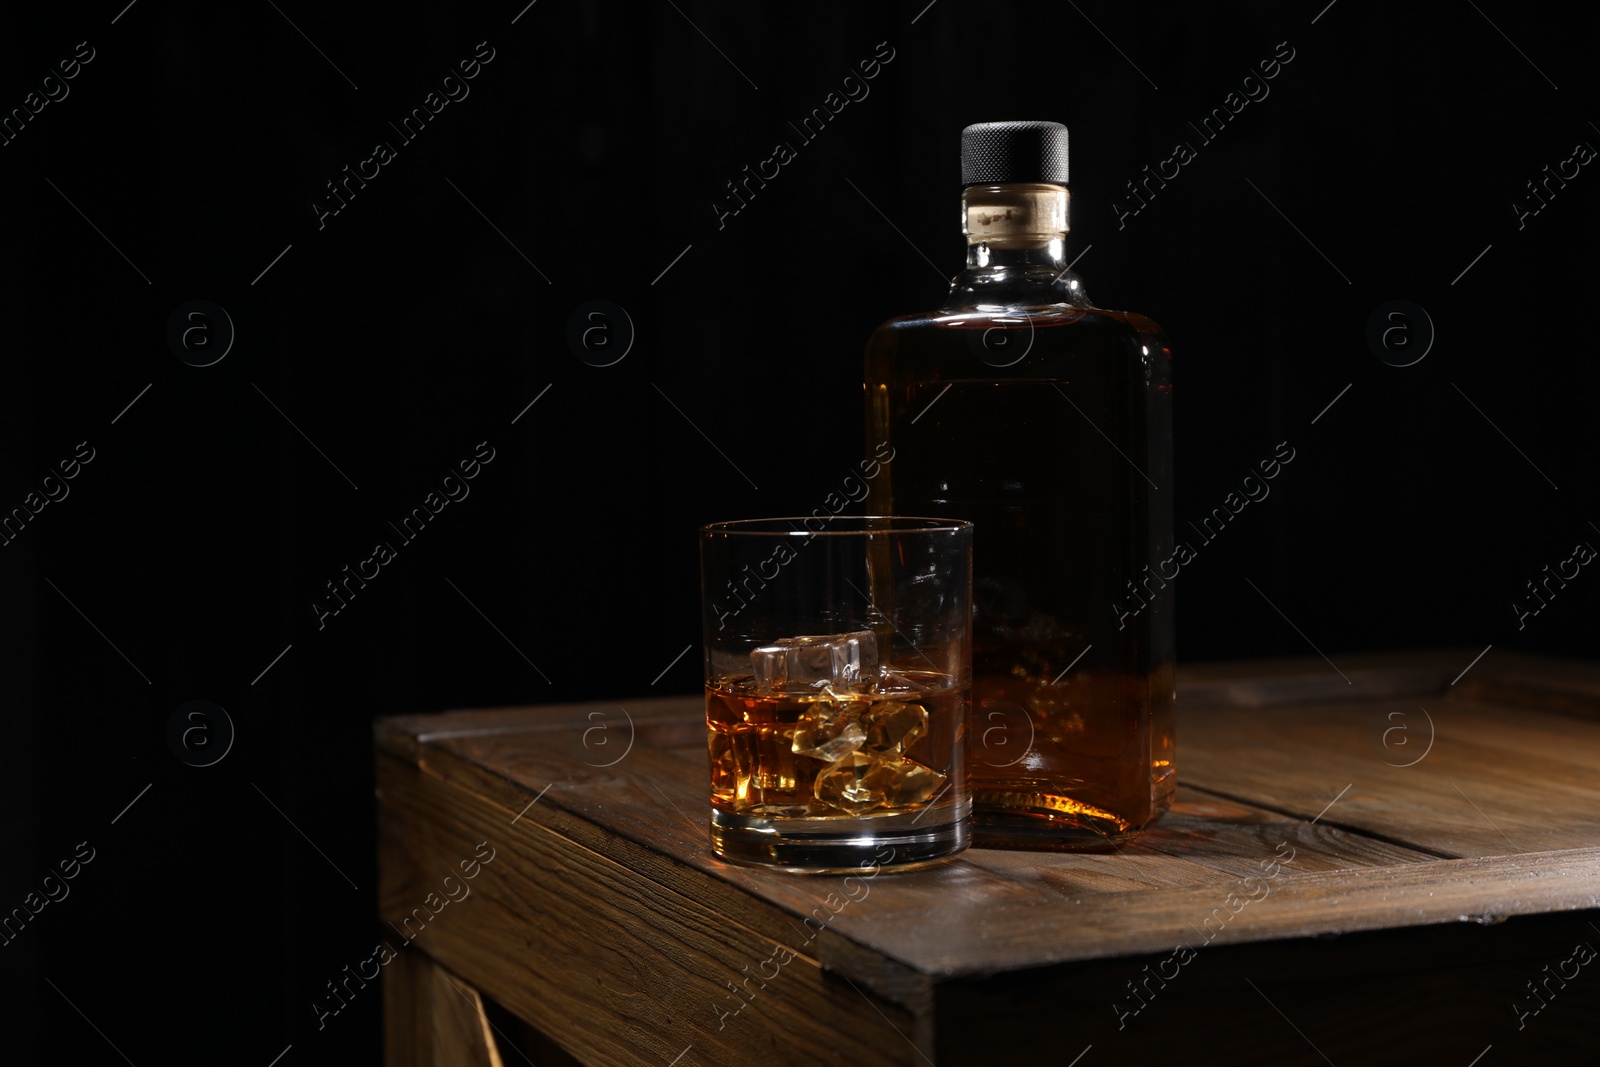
838	673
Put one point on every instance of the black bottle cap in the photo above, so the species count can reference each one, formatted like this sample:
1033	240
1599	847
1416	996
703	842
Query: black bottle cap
993	152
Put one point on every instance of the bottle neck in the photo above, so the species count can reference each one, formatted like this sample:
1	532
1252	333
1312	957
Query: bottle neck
1015	224
1016	249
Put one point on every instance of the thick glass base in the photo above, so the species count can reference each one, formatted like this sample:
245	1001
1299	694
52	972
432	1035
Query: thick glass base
834	846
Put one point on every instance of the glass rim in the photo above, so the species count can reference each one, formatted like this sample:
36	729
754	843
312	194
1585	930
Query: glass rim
896	525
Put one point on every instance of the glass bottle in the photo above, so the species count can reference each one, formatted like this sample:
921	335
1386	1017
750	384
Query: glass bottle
1020	406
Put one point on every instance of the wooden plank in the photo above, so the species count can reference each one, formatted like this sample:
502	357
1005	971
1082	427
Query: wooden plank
1468	797
614	965
1303	679
1231	838
1180	850
1203	840
1524	729
1527	681
1200	843
666	721
407	1036
1427	995
975	940
433	1018
521	1044
461	1036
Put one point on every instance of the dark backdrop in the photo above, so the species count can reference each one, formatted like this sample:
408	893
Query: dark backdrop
376	347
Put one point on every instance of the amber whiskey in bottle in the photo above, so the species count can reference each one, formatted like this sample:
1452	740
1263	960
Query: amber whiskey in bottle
1020	406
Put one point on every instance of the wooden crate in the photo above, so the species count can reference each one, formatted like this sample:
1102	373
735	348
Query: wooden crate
1377	866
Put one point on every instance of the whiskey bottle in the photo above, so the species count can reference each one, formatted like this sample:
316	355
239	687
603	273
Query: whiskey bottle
1020	406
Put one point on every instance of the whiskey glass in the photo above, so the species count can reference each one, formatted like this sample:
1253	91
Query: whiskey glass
838	674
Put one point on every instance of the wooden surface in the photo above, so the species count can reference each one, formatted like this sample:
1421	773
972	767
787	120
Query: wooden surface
1438	846
433	1018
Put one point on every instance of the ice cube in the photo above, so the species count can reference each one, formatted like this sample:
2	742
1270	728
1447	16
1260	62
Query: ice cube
893	685
844	784
893	727
901	783
830	729
861	781
808	664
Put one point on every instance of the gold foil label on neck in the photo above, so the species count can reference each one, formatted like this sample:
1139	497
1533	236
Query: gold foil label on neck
1014	210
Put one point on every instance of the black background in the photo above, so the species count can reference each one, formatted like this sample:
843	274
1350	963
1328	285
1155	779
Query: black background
413	325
